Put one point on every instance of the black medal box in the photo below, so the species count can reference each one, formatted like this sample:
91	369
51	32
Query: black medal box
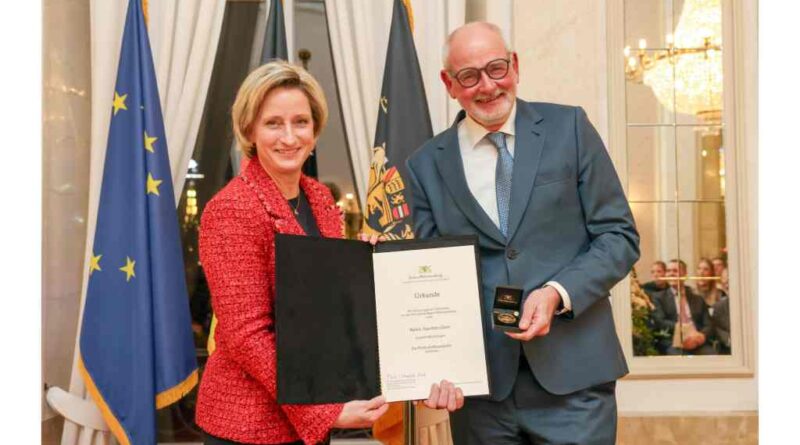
507	308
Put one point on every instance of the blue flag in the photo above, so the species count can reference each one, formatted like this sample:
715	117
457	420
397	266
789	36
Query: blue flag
404	124
136	348
275	34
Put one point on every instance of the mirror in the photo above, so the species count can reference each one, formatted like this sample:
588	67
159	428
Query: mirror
680	298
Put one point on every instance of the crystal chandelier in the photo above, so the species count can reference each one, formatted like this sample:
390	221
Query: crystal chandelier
686	77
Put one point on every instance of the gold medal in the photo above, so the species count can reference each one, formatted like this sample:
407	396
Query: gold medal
507	318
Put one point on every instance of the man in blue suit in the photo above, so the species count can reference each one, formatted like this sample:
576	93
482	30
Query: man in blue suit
534	182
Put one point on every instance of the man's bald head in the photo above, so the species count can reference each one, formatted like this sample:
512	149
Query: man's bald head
473	29
487	96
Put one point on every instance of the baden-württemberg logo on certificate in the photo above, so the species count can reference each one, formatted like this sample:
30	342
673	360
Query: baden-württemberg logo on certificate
425	272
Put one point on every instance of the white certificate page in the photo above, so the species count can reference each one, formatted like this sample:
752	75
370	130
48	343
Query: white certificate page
429	322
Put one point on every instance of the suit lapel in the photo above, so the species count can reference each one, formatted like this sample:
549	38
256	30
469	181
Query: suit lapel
528	144
451	167
668	303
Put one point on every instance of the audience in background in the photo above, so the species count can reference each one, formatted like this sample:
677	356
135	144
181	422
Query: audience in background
723	280
719	265
683	315
689	320
657	271
721	317
708	289
721	326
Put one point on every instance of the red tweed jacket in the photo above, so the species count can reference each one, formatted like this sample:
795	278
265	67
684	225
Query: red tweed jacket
236	399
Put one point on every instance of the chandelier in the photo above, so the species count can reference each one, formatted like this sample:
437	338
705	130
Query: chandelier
686	77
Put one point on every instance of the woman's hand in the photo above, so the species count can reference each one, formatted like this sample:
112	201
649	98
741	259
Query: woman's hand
361	413
372	239
445	395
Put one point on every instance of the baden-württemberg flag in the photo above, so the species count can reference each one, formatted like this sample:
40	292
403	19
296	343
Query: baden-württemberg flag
136	347
403	125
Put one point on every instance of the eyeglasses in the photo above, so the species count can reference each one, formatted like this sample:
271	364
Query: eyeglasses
469	77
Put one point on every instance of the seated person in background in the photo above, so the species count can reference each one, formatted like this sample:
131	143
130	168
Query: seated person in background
719	265
721	317
708	288
682	315
657	271
723	280
721	325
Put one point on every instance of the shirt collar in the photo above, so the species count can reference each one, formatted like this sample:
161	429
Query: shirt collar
475	131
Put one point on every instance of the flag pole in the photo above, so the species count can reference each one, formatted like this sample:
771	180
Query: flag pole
403	124
409	424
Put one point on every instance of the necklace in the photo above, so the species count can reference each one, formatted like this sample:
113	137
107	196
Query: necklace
296	207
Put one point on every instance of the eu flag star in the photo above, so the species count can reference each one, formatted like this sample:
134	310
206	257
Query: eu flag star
94	263
152	184
119	102
148	142
128	268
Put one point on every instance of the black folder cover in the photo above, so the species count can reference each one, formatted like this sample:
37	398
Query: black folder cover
325	323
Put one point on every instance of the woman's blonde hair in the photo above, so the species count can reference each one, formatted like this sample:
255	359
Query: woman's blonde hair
258	84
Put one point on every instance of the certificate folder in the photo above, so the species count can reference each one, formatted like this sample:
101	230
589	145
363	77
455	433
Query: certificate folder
327	316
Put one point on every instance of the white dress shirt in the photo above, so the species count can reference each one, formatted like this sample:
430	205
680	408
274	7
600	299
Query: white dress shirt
479	157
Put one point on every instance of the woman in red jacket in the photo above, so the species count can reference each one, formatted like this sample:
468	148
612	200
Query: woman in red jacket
278	115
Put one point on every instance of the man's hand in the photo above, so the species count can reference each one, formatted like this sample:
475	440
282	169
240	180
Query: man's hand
537	314
694	341
361	413
445	395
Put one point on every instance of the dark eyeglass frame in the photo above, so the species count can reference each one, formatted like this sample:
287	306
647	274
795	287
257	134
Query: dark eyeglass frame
457	75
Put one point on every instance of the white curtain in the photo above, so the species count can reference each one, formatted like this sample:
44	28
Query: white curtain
183	37
359	36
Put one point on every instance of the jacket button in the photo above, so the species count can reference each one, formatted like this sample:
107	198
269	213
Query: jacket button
512	254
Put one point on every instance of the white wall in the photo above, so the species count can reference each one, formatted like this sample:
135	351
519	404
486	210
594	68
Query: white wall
562	54
65	143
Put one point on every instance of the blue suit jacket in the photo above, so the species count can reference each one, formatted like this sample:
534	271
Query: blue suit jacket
569	222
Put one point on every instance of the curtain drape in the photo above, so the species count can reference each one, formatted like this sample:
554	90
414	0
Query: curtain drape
183	36
359	33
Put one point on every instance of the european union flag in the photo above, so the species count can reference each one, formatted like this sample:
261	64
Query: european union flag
136	347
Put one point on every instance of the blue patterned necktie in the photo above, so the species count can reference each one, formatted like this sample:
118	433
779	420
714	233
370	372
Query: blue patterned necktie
502	176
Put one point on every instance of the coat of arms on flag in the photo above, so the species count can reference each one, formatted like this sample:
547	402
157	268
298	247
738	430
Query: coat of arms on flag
387	207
